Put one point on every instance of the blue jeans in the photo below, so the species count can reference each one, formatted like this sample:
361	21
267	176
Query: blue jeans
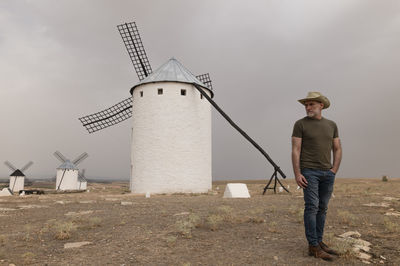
316	197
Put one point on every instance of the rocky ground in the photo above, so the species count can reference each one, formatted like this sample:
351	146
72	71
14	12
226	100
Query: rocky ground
109	226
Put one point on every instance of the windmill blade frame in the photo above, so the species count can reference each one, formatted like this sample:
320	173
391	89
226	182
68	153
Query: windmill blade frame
26	166
134	46
81	175
80	158
108	117
10	165
60	157
205	79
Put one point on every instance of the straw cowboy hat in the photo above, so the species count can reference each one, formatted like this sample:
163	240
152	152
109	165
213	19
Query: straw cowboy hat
316	96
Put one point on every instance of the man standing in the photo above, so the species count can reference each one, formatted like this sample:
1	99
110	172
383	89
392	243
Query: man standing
314	138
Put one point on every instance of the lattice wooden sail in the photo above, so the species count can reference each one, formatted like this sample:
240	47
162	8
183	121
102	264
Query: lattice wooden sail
205	79
134	46
108	117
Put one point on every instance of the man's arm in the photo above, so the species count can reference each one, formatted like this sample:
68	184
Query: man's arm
296	149
337	155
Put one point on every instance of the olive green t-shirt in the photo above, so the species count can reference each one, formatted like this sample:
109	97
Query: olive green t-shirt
316	142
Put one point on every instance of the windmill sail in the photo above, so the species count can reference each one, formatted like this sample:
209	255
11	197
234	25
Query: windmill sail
80	158
26	166
134	46
108	117
59	156
205	79
10	165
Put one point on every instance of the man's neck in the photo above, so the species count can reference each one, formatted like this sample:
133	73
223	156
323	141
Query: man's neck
316	117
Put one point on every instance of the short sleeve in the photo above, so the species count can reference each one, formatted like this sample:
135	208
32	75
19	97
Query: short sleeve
297	130
335	131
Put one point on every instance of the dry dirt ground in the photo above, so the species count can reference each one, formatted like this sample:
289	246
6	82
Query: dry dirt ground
199	229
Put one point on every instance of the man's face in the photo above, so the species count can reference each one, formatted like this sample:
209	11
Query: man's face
313	108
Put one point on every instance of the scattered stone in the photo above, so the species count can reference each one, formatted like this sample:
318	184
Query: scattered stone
76	244
11	264
372	204
364	256
381	262
366	262
333	195
393	214
125	203
217	188
390	198
87	201
361	247
350	234
31	206
275	257
5	192
7	209
112	199
78	213
181	213
382	257
147	194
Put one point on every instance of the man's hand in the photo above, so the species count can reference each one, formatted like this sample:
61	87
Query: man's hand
301	181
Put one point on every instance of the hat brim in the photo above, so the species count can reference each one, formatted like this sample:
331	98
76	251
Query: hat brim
321	99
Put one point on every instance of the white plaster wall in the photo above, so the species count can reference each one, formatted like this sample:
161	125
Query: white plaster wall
171	140
19	183
82	185
69	181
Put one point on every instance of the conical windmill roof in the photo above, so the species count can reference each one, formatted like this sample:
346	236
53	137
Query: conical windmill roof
67	165
17	173
172	70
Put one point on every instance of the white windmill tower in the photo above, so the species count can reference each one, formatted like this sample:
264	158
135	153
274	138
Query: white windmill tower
171	133
82	182
68	176
17	177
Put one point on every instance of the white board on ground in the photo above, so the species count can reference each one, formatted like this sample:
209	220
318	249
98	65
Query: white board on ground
5	192
236	190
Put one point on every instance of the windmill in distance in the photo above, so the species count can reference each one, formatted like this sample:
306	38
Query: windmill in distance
17	177
171	133
68	176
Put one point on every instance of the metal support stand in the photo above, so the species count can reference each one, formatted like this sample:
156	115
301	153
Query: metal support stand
276	180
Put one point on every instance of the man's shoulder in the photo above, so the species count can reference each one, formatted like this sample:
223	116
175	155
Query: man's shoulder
330	121
301	120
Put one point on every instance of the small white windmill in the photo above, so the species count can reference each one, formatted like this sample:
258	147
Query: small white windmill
68	176
17	178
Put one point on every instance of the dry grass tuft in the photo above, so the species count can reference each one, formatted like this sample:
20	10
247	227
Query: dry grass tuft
272	227
63	230
343	246
3	240
390	226
28	257
345	217
187	224
171	240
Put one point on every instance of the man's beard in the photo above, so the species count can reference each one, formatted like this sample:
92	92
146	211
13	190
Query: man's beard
310	114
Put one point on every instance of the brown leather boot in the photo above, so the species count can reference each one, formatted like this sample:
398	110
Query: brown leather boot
328	249
318	252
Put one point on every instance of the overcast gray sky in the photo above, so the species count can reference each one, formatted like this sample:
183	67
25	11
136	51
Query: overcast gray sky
60	60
